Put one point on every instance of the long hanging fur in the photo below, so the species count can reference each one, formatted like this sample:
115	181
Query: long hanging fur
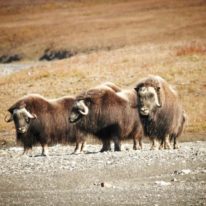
111	117
169	119
51	125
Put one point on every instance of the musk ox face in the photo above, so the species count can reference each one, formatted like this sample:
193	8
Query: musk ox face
22	118
80	110
148	99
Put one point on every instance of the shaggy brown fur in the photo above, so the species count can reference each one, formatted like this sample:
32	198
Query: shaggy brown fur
51	125
110	117
169	118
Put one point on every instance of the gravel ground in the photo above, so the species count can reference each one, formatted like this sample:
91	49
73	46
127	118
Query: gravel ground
165	177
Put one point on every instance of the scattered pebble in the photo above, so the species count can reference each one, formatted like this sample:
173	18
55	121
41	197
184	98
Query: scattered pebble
162	183
174	180
106	184
186	171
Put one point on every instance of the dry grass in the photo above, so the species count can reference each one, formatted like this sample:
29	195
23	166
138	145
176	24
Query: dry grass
120	43
191	49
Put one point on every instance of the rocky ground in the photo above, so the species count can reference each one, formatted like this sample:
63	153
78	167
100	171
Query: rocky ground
166	177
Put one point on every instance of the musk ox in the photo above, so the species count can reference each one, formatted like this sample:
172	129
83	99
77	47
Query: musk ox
38	120
160	112
105	113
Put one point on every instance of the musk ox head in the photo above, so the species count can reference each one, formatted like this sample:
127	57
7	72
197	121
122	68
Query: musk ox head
22	118
148	98
80	109
89	105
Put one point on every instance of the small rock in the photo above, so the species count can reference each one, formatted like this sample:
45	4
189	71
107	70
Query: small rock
106	184
162	183
174	180
182	172
201	151
176	172
186	171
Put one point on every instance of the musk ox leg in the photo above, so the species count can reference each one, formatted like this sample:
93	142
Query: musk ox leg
117	144
117	147
139	138
78	149
134	144
44	150
167	142
135	147
106	146
27	151
83	146
175	144
161	144
155	144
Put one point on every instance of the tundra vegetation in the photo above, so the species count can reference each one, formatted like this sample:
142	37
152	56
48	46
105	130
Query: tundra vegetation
117	41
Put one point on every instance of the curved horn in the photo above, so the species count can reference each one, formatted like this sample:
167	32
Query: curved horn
159	103
83	109
25	111
6	119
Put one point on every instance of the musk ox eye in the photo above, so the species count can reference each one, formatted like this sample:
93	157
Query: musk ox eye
151	95
88	101
27	120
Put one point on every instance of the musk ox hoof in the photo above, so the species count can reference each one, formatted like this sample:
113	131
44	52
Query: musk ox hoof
176	147
117	149
44	155
137	148
154	148
76	152
27	155
105	150
167	146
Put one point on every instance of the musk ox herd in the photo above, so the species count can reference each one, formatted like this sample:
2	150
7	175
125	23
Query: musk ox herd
107	112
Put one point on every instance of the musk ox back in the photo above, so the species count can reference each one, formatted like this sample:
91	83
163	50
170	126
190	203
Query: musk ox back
160	112
105	114
38	120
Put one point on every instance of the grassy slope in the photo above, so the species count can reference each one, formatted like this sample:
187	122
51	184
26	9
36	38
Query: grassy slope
115	41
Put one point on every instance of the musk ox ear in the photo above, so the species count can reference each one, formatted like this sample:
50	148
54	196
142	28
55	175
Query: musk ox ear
8	117
139	86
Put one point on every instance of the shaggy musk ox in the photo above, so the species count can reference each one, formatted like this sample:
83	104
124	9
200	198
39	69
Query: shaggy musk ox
160	112
107	114
38	120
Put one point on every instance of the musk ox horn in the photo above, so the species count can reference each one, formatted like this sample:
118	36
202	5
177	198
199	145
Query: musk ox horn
8	119
26	112
83	109
31	116
158	99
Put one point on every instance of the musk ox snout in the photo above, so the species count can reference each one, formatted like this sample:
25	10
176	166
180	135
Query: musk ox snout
22	130
144	111
79	110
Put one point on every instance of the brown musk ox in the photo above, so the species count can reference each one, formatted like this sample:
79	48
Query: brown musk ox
107	115
160	111
38	120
